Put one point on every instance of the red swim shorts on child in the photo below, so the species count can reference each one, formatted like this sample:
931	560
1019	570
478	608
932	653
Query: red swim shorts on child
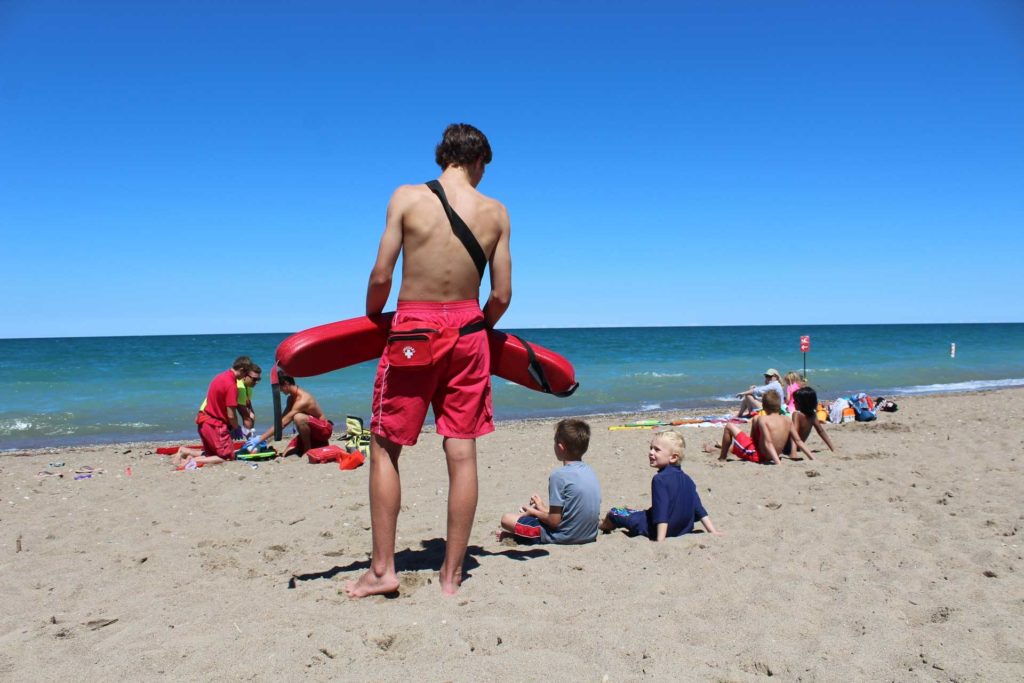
216	439
743	447
457	386
320	431
527	528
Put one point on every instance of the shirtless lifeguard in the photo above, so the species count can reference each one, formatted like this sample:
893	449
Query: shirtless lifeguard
304	412
440	289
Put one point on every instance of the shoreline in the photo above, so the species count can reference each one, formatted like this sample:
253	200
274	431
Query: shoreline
626	416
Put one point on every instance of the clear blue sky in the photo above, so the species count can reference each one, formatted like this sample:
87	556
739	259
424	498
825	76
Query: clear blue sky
210	167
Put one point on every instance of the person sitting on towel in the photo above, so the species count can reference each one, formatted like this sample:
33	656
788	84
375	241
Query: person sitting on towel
304	412
753	396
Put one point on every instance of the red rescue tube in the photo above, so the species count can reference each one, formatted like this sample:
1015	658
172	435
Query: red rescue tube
330	347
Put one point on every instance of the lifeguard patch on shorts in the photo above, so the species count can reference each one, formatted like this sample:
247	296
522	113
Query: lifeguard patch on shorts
528	527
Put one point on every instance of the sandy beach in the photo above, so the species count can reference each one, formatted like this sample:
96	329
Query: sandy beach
896	558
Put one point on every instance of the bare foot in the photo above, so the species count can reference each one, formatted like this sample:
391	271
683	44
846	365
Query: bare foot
450	585
710	448
371	584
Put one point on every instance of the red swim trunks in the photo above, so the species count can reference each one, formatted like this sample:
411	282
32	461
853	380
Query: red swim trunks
320	430
215	437
458	385
743	447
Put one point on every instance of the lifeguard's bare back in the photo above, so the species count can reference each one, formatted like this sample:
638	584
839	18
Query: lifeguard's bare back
437	268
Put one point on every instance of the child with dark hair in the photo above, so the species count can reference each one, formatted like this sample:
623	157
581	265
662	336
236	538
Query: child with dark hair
574	493
806	415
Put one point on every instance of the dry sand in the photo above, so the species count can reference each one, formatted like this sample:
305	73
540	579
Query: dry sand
896	558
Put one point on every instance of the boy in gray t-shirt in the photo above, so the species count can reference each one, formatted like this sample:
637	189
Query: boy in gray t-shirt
574	492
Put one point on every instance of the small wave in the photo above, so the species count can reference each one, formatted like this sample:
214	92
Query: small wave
650	406
135	425
973	385
660	375
726	398
11	426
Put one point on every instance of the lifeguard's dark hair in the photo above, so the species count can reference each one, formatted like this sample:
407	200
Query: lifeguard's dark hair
806	401
771	402
462	145
242	363
285	379
574	435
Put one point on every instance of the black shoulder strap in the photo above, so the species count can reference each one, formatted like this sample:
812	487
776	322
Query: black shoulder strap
460	229
536	371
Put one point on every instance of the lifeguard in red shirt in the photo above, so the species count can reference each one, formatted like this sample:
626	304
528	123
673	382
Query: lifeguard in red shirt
218	418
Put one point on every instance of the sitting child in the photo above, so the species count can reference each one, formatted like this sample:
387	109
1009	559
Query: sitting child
675	504
806	415
770	435
792	381
574	493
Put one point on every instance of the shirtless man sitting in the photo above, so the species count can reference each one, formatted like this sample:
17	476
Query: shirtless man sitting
442	268
302	410
770	435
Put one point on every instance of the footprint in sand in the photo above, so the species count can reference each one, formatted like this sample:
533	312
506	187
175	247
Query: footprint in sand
274	552
410	582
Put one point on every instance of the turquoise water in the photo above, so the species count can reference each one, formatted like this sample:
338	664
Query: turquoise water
104	389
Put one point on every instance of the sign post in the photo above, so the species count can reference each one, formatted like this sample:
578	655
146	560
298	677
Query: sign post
805	346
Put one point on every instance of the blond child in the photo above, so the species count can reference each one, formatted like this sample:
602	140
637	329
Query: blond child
791	382
676	505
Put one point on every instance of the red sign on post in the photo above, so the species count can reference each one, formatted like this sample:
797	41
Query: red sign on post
805	343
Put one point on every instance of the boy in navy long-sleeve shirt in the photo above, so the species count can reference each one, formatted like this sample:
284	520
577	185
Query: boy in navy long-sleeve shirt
675	504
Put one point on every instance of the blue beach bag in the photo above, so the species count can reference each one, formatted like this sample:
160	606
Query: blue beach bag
863	407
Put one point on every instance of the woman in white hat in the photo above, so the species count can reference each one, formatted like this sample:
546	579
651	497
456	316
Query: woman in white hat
751	398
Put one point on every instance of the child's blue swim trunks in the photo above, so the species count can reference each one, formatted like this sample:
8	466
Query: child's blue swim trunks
633	521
